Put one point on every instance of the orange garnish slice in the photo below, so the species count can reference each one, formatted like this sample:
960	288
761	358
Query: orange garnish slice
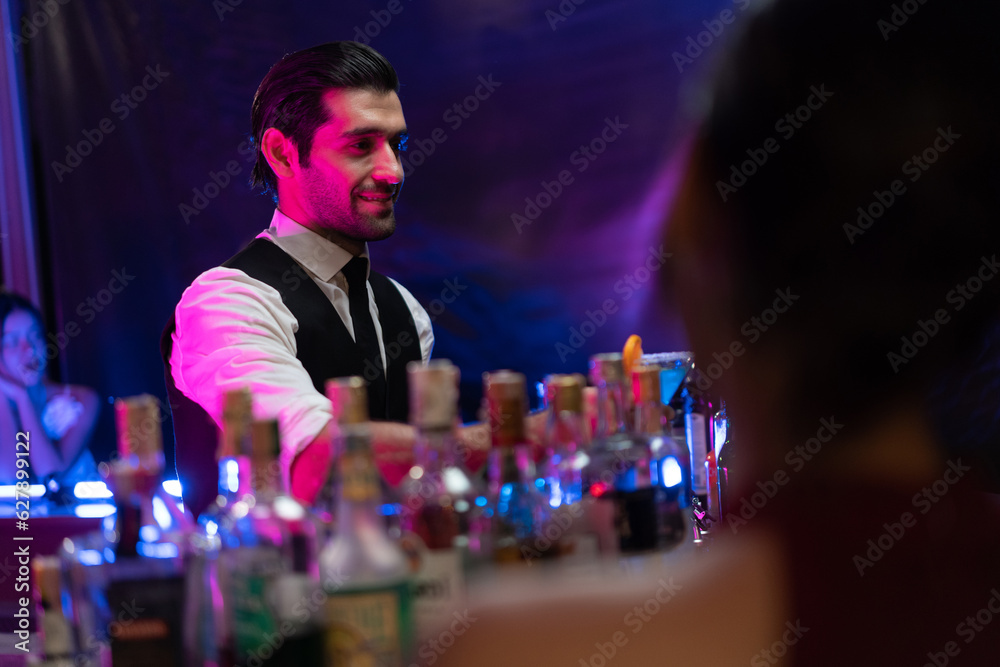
631	354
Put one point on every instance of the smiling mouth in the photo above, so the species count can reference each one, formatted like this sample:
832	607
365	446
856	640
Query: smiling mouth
377	197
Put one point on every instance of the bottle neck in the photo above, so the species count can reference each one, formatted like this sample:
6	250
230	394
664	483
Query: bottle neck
359	490
563	431
436	449
610	409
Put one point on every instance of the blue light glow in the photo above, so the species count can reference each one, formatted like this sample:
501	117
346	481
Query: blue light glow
91	490
670	472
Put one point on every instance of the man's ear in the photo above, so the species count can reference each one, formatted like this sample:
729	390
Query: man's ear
280	151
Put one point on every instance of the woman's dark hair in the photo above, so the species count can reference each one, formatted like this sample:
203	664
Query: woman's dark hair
9	302
852	158
290	98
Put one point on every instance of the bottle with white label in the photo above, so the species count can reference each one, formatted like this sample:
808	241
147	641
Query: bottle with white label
442	504
364	573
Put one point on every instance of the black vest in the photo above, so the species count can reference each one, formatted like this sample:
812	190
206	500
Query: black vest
324	346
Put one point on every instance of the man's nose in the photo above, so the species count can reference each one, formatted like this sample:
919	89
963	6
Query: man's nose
388	166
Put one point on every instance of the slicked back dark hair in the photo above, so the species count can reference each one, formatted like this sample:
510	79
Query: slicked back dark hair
290	98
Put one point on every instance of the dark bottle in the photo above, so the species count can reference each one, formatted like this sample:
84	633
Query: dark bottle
622	469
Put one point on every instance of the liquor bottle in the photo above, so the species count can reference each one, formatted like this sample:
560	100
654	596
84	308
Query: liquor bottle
666	473
517	510
128	580
443	505
264	558
364	573
562	465
622	467
699	433
208	633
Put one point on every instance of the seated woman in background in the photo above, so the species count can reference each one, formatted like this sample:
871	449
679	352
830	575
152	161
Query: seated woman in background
59	418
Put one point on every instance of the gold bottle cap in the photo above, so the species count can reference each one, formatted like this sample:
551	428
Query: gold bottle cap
507	402
433	393
564	392
646	383
606	368
349	397
237	413
140	440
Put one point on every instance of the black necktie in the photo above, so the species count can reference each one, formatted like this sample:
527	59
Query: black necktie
356	272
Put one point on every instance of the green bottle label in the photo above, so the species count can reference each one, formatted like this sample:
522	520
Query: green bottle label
369	626
251	575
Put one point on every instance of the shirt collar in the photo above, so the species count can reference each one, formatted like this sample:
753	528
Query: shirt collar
320	256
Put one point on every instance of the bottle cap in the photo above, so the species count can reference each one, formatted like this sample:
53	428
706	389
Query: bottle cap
646	383
433	393
507	403
140	440
564	392
606	368
349	397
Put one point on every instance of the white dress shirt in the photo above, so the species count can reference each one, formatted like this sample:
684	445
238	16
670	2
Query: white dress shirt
234	331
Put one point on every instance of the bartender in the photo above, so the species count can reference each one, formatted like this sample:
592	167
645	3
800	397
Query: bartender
301	303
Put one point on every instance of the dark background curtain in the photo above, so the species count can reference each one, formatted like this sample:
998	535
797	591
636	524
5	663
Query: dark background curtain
139	109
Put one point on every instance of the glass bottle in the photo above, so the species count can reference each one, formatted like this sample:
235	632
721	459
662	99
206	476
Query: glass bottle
127	581
564	460
517	509
622	467
443	505
364	573
699	433
666	473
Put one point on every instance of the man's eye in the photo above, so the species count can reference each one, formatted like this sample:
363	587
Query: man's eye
362	145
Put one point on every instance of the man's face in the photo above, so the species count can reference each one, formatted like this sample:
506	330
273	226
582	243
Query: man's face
353	175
